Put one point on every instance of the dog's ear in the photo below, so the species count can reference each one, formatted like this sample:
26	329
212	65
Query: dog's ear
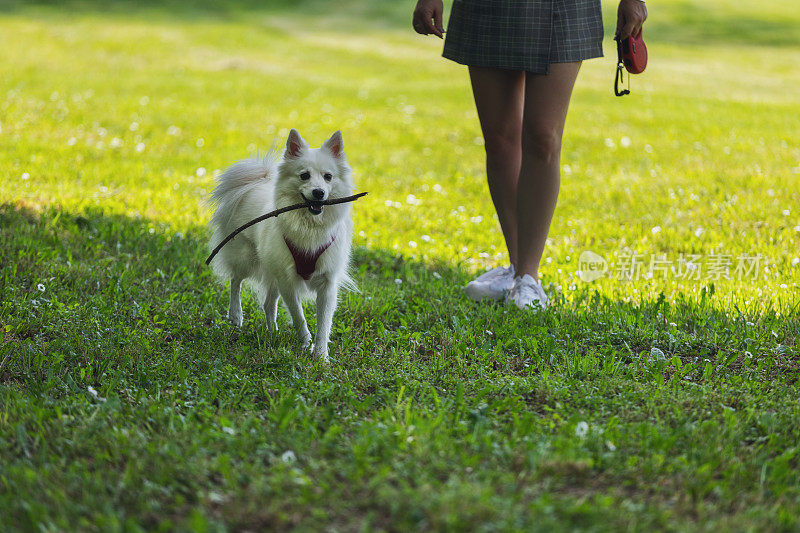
335	145
294	145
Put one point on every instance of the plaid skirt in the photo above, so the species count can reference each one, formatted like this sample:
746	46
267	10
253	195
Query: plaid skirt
523	34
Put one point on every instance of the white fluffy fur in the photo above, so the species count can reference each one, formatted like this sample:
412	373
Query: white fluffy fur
259	254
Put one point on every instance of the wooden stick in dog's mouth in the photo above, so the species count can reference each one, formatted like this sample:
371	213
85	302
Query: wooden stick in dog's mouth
306	204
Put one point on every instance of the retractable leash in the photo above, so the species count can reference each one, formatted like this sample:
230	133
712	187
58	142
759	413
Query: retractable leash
631	56
277	212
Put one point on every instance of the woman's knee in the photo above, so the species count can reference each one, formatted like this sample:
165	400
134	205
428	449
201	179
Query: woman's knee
542	141
502	143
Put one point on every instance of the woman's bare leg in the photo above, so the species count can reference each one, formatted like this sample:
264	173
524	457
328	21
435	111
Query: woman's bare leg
546	102
499	98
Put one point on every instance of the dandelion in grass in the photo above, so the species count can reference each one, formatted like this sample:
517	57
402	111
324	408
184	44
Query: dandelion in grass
581	429
288	457
140	147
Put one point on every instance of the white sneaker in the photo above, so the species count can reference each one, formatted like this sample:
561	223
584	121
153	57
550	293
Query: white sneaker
492	285
527	293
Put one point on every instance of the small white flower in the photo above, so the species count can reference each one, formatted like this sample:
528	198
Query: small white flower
437	275
412	244
144	100
229	430
657	355
476	220
625	142
655	229
40	287
200	142
698	232
398	281
288	457
437	187
786	212
94	394
173	130
425	238
140	147
610	143
200	172
610	446
581	429
134	126
795	261
25	176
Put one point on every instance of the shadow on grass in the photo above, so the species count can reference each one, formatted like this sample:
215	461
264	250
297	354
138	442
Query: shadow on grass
690	22
91	289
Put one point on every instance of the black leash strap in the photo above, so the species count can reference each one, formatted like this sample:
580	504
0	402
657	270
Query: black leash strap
276	213
619	78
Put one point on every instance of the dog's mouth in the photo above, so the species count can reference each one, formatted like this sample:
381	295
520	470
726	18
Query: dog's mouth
315	208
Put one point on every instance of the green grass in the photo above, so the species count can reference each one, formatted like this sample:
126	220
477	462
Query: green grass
127	402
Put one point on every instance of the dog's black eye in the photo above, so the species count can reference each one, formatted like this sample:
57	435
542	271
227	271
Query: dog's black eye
305	175
328	176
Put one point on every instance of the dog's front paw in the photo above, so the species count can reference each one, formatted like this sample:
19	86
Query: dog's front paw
320	353
236	318
305	339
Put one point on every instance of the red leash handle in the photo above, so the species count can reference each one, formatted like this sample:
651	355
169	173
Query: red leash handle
631	56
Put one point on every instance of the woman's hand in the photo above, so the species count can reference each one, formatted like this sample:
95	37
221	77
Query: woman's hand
631	14
428	18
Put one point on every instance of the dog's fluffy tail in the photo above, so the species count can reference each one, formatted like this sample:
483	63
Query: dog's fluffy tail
237	180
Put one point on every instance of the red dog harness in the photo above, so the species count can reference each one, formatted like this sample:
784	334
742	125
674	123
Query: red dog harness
305	262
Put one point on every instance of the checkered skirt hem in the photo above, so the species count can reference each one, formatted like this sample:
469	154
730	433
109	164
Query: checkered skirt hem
523	34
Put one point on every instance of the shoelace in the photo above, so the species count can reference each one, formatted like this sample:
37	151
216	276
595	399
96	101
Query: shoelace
526	290
495	273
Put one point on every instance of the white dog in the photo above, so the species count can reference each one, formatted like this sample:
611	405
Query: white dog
299	254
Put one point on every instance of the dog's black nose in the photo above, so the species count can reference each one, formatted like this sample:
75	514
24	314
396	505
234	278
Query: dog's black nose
319	194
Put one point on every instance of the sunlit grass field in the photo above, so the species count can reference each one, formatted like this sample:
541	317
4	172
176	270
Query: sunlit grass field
662	395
